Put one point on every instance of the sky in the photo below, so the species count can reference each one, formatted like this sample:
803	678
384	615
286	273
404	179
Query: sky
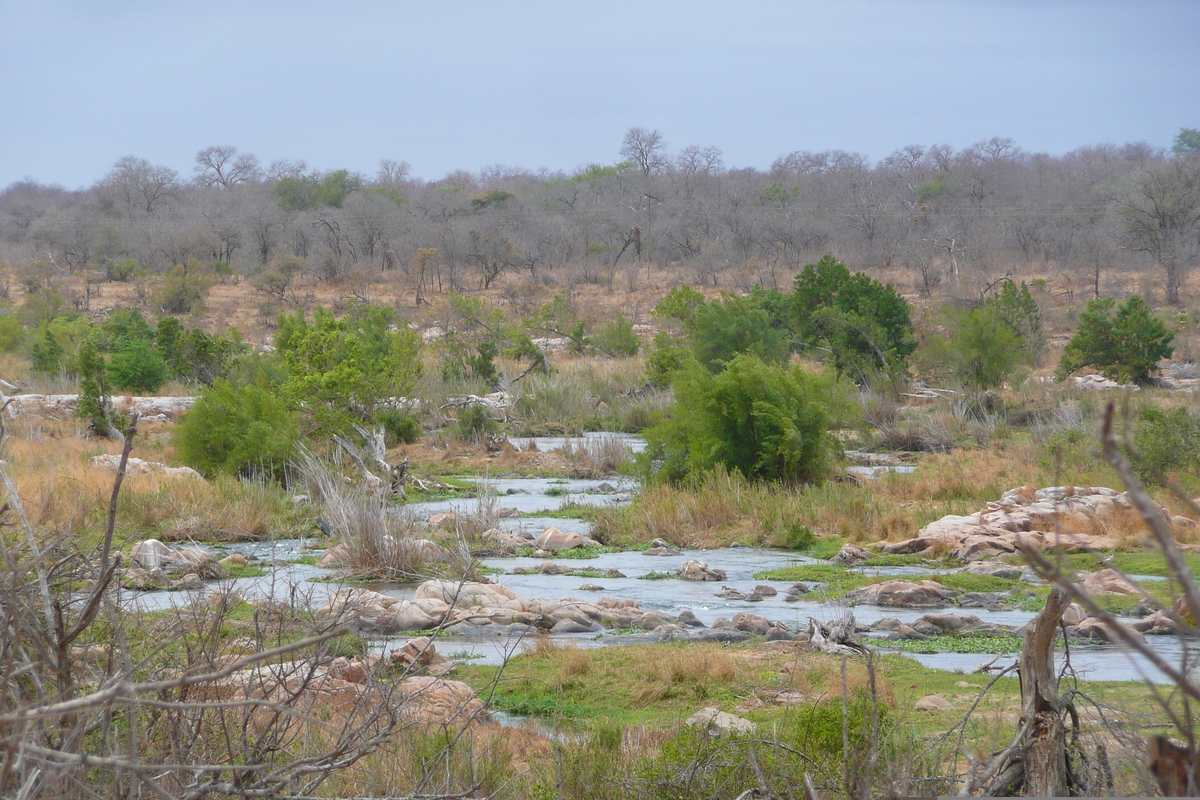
465	85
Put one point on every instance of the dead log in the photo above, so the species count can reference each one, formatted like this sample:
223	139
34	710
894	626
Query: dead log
1045	747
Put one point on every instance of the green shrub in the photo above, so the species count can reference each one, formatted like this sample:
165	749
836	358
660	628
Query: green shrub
732	326
769	422
400	428
665	357
1166	441
866	324
1125	343
474	423
1017	309
184	289
240	429
137	367
617	338
11	333
797	536
680	304
47	353
978	350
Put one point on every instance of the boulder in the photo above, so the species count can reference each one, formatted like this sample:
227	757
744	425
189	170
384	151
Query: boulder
751	623
1106	581
234	559
851	555
136	466
1096	630
933	702
717	723
762	590
554	539
446	520
688	619
464	594
334	557
903	594
699	571
150	554
434	701
995	569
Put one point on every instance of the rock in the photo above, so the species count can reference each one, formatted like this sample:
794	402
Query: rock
778	634
503	542
903	594
995	569
150	554
649	621
554	539
221	598
334	557
446	520
851	555
932	702
1106	581
661	544
753	598
762	590
699	571
508	512
788	697
992	601
722	622
1095	630
730	594
136	466
1158	623
662	551
965	685
591	587
191	582
234	559
1073	614
687	618
905	632
434	701
751	623
612	572
576	626
717	722
465	594
716	634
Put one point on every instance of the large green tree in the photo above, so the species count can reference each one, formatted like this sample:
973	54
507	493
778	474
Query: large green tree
1125	343
865	324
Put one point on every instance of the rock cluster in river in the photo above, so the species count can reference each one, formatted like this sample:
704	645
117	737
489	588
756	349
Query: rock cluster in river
1036	518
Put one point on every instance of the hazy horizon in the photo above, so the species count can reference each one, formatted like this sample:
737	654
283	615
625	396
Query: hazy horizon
535	85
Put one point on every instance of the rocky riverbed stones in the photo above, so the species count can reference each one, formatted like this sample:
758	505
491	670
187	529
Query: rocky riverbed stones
903	594
699	571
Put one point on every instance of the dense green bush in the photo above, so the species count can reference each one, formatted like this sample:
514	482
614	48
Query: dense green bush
399	427
617	338
474	424
665	357
1123	342
679	304
240	429
137	367
767	421
1167	441
184	289
732	326
866	324
11	333
1017	309
978	350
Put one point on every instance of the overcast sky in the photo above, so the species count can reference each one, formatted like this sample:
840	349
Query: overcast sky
462	85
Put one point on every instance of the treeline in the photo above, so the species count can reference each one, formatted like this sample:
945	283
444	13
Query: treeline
933	210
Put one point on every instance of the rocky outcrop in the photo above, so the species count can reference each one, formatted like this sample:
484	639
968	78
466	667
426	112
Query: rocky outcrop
1106	581
136	466
65	405
699	571
1023	516
717	722
554	539
903	594
851	555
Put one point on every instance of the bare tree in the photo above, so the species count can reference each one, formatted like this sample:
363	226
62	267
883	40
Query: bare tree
141	185
647	149
224	166
1162	217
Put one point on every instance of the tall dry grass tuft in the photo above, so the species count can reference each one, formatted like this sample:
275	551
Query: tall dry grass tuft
379	540
596	456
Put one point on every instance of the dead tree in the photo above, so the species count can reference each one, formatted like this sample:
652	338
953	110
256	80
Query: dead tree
373	450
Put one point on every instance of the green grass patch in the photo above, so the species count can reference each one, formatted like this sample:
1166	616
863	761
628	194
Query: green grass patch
236	571
573	553
842	580
968	643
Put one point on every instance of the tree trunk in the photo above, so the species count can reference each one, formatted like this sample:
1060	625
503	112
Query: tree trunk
1045	757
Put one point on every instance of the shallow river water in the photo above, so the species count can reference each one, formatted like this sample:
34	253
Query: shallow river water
299	584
